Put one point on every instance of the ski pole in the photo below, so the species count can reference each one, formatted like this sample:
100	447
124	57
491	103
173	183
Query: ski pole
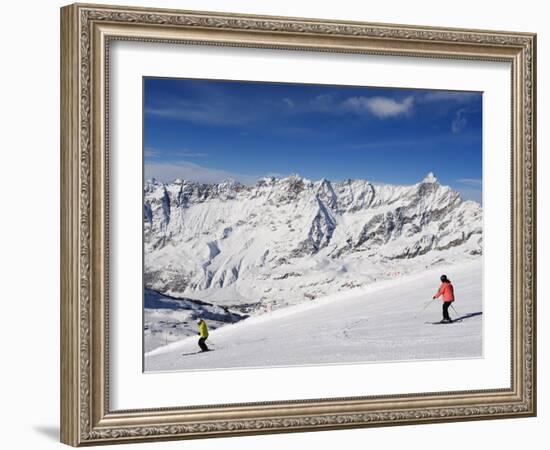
422	310
456	312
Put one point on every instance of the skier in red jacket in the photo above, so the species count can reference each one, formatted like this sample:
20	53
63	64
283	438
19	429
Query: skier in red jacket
447	291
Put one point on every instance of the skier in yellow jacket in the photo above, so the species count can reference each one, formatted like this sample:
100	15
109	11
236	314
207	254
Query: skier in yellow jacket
203	333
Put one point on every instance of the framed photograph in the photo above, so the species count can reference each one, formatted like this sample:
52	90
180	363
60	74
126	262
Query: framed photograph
276	224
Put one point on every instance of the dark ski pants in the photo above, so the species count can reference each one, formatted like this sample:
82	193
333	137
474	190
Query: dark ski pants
446	306
202	344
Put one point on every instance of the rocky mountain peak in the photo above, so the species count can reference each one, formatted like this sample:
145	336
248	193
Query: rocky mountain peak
430	178
285	236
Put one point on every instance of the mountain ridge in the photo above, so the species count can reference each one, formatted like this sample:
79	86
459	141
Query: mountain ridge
287	240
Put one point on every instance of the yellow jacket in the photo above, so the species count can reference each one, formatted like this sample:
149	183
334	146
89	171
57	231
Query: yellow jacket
203	329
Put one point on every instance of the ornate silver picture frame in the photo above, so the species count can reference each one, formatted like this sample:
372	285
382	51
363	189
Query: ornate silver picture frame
87	34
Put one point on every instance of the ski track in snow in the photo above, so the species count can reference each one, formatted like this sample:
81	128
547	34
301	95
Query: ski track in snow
370	324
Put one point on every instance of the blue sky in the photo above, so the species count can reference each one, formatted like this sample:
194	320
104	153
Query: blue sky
207	130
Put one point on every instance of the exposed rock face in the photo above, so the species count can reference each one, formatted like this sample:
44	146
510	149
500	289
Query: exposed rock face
285	240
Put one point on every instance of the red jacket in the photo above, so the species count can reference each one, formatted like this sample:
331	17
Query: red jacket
446	290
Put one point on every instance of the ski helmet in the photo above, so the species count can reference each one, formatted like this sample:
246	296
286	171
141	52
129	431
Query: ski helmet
199	320
444	278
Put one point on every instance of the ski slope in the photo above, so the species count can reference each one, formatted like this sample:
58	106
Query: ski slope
381	322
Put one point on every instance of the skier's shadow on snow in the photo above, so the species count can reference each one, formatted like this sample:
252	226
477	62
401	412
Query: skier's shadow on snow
470	315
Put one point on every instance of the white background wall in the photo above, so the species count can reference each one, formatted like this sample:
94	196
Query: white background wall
29	222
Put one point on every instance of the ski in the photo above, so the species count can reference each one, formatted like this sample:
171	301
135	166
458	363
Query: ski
196	353
444	323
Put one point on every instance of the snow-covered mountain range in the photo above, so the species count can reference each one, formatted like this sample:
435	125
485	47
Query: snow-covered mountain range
288	240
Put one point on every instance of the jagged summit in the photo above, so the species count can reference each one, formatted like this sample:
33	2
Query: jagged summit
287	239
292	179
430	178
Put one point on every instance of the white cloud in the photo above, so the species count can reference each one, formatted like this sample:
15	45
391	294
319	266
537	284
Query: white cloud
459	121
454	96
169	171
470	189
475	182
471	194
381	107
288	102
203	114
322	100
152	153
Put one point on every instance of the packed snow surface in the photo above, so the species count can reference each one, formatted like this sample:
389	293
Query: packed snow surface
168	319
379	322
